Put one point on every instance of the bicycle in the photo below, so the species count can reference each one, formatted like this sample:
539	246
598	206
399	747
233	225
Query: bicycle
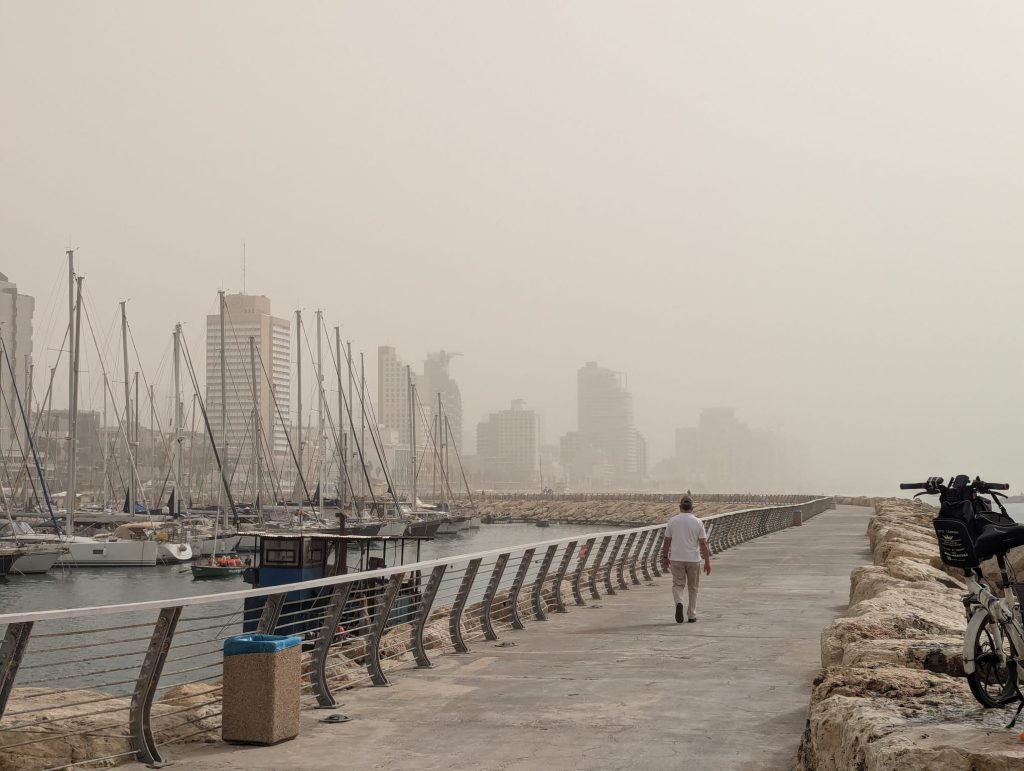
969	532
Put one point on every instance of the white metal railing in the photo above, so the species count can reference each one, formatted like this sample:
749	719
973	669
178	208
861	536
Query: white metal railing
137	676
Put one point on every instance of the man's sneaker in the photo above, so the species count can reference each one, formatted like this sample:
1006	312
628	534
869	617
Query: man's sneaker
692	620
679	612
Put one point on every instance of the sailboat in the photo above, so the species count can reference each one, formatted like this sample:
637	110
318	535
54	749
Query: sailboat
79	550
8	556
226	565
35	558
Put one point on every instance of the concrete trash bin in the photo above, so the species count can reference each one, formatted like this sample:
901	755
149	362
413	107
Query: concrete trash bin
262	678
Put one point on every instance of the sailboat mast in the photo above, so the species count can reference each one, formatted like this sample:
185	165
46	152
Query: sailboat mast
177	421
351	391
29	374
298	395
342	446
127	409
322	467
103	433
412	431
362	406
152	429
141	489
223	386
71	344
73	413
442	447
257	428
192	448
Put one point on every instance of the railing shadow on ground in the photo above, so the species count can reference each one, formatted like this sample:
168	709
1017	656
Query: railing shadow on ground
101	685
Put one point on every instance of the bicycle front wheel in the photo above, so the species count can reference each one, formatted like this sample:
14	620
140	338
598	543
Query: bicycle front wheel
994	679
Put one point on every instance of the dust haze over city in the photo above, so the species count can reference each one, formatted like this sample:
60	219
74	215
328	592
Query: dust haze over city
805	212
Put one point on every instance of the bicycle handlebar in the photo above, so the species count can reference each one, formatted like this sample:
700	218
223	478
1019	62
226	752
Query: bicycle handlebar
934	485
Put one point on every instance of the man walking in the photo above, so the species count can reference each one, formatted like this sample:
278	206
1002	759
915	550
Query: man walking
685	544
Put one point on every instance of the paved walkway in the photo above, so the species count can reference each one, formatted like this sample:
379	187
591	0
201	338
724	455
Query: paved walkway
621	686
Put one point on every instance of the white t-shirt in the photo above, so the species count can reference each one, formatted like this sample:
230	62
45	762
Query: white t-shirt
685	530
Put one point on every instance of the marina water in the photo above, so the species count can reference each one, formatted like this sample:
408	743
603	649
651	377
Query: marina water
82	587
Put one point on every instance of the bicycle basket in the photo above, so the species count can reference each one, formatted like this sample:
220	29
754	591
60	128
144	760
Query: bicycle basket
956	546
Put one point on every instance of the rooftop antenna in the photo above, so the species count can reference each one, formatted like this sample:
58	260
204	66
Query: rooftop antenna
243	266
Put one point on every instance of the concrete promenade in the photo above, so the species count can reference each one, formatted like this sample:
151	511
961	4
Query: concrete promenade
620	686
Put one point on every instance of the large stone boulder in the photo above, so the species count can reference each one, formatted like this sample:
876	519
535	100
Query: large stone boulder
892	694
899	719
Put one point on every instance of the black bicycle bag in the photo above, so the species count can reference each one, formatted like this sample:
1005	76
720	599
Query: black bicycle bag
956	546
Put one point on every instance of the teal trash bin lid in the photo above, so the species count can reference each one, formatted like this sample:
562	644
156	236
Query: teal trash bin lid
259	643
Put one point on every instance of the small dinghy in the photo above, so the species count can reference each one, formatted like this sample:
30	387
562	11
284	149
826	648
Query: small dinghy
224	566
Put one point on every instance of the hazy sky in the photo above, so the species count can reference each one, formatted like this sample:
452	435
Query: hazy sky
808	211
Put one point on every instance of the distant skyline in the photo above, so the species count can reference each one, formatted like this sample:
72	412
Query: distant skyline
807	212
202	351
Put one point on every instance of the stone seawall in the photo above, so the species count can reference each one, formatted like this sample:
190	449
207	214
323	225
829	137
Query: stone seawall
892	694
604	512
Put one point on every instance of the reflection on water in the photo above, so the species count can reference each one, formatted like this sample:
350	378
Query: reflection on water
83	587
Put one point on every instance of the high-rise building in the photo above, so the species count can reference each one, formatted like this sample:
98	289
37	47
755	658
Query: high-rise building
248	316
16	311
507	447
393	392
438	380
605	410
723	454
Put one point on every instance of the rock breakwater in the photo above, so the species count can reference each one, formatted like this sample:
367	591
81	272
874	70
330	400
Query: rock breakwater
606	512
892	693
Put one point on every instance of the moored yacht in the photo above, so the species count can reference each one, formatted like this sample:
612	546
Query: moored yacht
35	558
168	551
8	556
82	551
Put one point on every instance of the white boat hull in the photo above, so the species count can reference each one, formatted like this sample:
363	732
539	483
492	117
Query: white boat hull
207	547
34	563
89	553
173	553
80	551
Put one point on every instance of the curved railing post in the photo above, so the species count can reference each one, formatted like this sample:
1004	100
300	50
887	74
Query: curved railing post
517	587
271	613
629	554
656	553
12	650
597	566
318	668
455	618
377	675
570	549
650	536
577	577
488	600
609	588
143	742
539	611
419	652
